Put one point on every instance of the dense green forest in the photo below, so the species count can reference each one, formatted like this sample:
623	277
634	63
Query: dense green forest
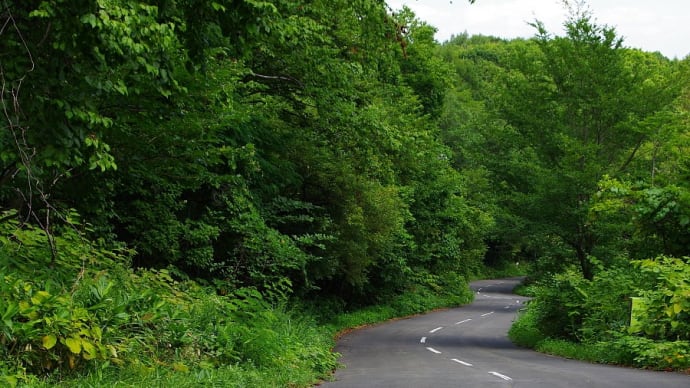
205	191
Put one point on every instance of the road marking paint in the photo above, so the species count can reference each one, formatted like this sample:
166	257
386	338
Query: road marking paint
463	321
432	350
436	329
423	340
461	362
504	377
507	307
483	315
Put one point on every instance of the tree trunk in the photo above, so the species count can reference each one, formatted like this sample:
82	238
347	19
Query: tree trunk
585	265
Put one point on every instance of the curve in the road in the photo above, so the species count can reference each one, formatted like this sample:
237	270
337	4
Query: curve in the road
468	347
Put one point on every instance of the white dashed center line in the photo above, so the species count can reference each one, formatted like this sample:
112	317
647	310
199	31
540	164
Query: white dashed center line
504	377
461	362
517	304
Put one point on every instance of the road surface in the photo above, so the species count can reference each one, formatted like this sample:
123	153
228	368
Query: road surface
468	347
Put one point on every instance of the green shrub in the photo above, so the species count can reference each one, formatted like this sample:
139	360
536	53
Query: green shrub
574	317
44	327
525	289
648	353
524	331
606	307
428	292
506	270
567	306
665	309
557	305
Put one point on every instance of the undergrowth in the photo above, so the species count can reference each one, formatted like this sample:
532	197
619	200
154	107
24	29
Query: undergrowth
83	318
506	270
593	320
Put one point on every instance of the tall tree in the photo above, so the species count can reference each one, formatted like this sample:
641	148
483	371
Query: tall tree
591	125
563	112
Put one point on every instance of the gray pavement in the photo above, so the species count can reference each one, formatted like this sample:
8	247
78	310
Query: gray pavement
468	347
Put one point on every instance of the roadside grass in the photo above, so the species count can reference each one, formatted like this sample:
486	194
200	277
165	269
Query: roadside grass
524	332
525	289
287	351
231	376
572	350
101	324
275	346
225	376
420	299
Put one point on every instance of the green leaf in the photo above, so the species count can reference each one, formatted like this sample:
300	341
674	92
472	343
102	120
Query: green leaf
90	19
39	13
11	380
677	308
40	297
217	7
179	367
49	341
73	344
89	350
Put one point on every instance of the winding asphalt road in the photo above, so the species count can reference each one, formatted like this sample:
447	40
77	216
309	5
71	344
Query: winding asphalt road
468	347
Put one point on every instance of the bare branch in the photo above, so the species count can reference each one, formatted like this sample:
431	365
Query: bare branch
632	154
13	115
279	77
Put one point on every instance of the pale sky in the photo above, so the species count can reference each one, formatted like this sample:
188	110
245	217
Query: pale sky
651	25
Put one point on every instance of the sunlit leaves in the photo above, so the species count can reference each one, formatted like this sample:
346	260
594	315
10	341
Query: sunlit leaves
666	306
49	341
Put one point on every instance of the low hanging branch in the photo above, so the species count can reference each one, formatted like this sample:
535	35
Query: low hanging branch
279	77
